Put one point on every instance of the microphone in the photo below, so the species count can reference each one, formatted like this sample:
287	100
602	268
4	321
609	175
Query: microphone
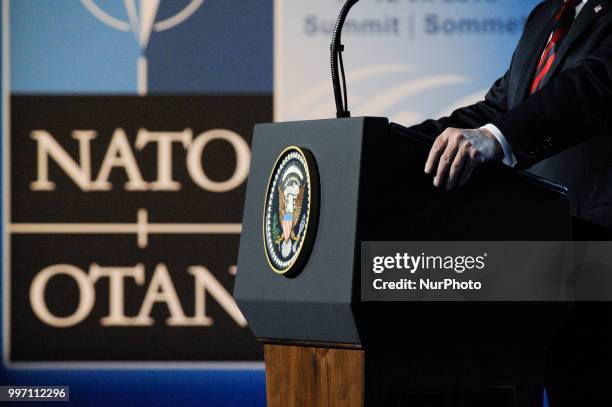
336	58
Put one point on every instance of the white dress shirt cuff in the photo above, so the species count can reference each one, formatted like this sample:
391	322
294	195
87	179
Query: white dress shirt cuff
509	158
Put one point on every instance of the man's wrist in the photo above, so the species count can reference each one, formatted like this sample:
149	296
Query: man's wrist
499	150
508	156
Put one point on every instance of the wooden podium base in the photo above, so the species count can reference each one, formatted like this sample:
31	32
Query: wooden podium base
306	375
299	376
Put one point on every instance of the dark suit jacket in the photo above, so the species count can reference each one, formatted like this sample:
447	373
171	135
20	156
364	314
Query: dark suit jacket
563	132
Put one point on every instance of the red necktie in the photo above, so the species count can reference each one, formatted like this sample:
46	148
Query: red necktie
563	20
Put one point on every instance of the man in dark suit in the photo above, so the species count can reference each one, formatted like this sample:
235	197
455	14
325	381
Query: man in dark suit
551	115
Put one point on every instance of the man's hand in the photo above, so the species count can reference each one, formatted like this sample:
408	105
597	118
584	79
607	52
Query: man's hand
456	153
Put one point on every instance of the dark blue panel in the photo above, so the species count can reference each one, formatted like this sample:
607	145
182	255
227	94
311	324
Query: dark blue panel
226	46
151	388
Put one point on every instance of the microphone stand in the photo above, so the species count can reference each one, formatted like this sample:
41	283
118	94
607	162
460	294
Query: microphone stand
336	59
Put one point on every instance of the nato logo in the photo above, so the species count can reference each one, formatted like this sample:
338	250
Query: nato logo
141	46
142	22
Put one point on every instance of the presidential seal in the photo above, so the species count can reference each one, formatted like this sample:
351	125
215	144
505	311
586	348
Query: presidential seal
290	211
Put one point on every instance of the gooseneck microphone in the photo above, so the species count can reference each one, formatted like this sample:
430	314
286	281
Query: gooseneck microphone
336	59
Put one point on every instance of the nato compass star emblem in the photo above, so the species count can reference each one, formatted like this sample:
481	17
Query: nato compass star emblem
142	21
290	212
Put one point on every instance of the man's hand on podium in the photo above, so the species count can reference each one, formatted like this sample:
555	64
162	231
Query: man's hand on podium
457	152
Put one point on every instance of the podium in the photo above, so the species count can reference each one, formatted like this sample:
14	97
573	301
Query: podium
323	345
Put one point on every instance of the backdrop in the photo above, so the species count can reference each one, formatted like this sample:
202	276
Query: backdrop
126	146
406	60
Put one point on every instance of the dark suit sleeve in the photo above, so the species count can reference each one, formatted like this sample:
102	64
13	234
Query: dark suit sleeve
573	106
494	104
